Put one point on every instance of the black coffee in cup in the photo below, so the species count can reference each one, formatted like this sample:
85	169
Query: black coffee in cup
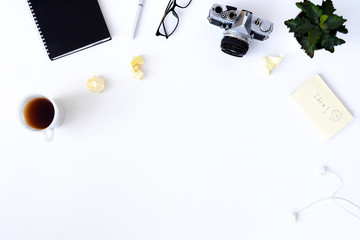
39	113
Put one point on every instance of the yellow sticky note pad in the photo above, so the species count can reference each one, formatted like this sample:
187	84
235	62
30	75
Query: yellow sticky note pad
322	107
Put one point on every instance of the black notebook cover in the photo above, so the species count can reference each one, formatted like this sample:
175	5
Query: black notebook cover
68	26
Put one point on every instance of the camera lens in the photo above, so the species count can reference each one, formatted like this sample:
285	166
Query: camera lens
234	46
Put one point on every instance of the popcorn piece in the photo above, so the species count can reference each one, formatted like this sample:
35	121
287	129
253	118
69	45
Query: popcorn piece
96	84
272	62
136	63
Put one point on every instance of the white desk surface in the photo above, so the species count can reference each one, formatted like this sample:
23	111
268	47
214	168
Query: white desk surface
205	147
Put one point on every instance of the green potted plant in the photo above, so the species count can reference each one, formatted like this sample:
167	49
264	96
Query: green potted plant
316	26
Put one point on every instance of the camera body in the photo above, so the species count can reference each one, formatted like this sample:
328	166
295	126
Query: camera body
241	26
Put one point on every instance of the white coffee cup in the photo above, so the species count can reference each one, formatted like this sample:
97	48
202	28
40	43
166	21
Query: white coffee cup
41	114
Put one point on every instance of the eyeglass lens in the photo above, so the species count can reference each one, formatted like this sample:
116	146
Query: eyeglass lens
183	3
170	20
169	23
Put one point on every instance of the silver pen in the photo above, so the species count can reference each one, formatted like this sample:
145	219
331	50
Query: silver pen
138	13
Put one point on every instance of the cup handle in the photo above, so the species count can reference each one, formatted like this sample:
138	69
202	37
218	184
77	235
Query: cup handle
49	134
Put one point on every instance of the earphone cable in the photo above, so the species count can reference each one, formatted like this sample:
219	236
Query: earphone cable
333	197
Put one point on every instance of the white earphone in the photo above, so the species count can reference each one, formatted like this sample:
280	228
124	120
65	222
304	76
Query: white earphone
323	171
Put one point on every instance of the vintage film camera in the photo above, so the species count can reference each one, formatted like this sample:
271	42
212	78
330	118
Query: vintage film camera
240	27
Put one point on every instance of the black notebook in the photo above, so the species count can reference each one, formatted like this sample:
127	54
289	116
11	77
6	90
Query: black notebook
68	26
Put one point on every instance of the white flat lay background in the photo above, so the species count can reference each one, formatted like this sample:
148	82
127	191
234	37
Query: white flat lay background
206	146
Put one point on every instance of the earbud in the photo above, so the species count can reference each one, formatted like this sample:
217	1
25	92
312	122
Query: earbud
295	217
324	170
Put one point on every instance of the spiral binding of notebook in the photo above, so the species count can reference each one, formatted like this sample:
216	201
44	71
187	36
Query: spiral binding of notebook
38	27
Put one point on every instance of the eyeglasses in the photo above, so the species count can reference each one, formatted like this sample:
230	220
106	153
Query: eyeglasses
169	22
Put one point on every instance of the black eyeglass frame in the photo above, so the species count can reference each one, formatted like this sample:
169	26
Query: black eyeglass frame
170	9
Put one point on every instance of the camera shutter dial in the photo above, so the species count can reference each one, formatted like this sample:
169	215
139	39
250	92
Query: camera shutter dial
265	26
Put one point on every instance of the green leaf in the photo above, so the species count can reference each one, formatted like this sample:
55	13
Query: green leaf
332	50
309	48
299	25
323	18
342	29
324	37
292	24
314	36
312	11
300	35
323	26
330	41
334	21
328	7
